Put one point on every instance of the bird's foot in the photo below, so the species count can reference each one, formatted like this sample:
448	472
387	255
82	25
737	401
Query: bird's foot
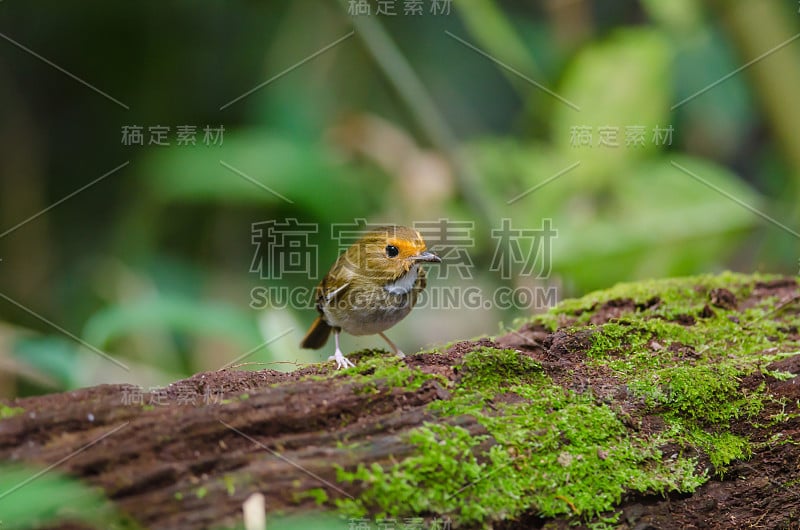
341	360
401	354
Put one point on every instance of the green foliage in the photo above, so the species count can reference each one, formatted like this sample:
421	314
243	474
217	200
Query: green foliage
279	166
31	497
632	67
176	316
630	204
56	358
161	270
230	484
313	521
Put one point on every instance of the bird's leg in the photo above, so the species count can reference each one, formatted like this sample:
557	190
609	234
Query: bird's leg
393	345
338	356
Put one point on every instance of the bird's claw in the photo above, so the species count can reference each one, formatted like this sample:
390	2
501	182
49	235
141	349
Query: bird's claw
341	360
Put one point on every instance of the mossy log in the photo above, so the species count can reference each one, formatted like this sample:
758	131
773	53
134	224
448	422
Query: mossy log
665	404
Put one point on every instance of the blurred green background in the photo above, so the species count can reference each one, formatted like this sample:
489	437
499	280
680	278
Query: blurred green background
413	117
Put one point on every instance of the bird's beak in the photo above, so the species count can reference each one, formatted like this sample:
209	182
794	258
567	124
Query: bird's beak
429	257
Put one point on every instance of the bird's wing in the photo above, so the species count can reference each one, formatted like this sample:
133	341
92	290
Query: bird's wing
333	286
331	295
327	293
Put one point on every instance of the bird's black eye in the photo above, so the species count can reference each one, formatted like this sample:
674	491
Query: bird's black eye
392	251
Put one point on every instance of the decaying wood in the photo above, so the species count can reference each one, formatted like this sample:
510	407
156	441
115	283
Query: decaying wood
189	456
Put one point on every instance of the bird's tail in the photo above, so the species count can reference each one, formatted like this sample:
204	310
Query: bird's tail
317	335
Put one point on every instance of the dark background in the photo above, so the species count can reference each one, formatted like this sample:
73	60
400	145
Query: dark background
406	120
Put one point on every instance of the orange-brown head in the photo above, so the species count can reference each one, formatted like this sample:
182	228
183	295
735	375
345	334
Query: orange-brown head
388	252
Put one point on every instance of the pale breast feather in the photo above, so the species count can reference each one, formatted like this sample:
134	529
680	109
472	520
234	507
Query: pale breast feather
404	283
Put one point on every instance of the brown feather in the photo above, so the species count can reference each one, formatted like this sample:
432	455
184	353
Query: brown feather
317	335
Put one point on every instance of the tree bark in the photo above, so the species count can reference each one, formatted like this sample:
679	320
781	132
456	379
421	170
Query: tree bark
190	455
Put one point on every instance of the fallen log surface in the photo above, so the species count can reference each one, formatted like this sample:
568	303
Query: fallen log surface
695	379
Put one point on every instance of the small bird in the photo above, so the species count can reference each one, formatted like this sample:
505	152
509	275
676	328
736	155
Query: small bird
372	286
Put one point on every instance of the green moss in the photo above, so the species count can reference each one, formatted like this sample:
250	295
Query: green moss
438	349
230	484
549	449
491	370
384	369
708	395
201	492
722	448
545	449
10	412
427	481
690	373
784	415
318	495
376	367
677	295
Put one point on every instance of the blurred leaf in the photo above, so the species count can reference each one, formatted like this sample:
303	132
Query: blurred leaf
173	314
716	122
306	175
53	356
494	33
619	83
522	177
51	497
658	211
311	522
682	15
656	221
275	324
320	521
